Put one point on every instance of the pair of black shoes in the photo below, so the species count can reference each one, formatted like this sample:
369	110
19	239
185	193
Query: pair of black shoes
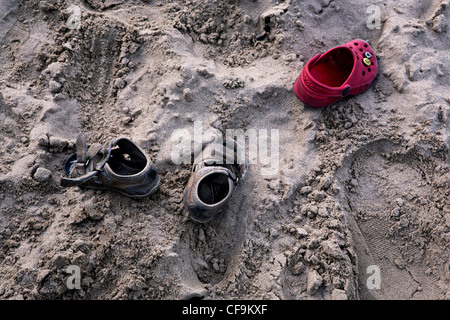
122	166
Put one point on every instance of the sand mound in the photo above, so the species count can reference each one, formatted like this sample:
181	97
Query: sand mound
363	183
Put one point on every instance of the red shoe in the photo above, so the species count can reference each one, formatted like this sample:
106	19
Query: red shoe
341	71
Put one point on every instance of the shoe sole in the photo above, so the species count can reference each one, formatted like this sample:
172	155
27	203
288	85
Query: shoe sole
155	188
204	221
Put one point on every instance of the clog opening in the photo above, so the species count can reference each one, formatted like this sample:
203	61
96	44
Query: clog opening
334	68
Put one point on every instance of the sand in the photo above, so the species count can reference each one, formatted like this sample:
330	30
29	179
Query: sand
357	208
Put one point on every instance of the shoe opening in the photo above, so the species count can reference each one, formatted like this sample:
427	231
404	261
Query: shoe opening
333	69
213	188
126	159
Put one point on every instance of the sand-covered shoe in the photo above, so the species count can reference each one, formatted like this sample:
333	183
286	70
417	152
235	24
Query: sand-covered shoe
119	165
215	176
344	70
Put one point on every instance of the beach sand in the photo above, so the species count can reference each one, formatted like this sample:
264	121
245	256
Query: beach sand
357	207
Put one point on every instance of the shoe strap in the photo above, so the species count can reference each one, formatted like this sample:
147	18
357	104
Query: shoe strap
81	146
84	155
69	182
84	161
106	152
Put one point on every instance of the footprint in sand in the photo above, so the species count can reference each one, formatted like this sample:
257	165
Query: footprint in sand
212	246
398	212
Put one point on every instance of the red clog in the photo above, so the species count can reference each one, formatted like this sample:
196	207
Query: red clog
344	70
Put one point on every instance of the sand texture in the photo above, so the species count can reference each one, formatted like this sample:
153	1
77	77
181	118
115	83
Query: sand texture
362	183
